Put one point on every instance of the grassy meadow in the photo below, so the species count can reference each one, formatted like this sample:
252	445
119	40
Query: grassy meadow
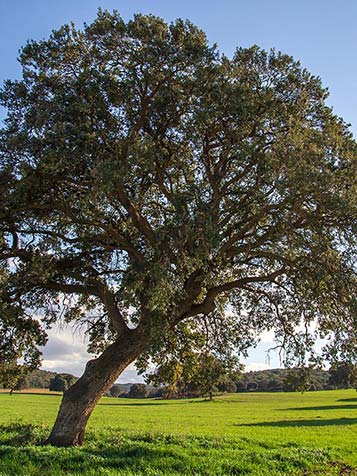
237	434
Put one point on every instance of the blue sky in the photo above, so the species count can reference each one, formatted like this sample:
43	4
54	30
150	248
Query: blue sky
322	34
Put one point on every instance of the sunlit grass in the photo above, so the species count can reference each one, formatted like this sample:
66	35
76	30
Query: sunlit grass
258	434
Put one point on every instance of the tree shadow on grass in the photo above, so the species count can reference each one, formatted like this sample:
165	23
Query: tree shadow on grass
317	422
130	457
20	434
323	407
347	400
142	455
20	439
139	455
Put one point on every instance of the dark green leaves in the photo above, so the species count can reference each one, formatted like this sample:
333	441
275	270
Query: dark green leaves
138	163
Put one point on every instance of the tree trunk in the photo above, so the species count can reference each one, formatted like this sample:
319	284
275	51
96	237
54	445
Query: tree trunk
79	400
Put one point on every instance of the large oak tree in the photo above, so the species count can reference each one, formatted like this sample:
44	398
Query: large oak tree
147	180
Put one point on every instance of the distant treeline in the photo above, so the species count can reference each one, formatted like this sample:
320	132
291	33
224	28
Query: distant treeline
44	379
274	380
136	390
287	380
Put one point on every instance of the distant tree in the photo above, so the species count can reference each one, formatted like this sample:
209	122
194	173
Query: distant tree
343	375
157	392
275	385
298	379
115	391
138	390
11	374
252	386
227	385
61	382
211	371
319	380
263	385
22	383
58	384
241	386
147	181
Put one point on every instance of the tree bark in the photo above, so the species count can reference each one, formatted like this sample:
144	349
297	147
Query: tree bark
79	400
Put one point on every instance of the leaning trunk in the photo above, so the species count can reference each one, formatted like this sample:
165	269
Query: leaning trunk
80	399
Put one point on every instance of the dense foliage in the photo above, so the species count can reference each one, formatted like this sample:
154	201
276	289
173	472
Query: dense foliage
139	168
61	382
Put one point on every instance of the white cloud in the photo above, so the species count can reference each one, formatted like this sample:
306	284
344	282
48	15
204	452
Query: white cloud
130	375
254	366
267	336
65	351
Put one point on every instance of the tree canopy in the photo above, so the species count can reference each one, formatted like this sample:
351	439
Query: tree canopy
147	179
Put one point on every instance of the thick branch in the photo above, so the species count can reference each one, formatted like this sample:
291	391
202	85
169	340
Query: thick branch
71	288
139	221
208	304
115	315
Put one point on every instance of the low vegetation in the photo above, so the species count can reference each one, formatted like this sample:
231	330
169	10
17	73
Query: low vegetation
176	386
256	434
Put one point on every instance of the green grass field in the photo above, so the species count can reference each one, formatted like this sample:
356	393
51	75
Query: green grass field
238	434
